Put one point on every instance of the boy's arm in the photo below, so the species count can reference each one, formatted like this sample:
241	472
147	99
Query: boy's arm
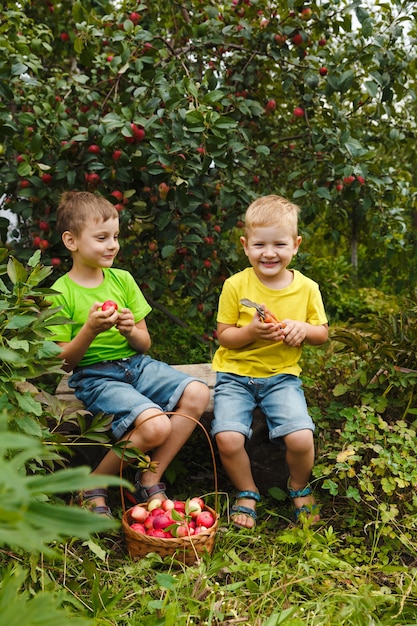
137	335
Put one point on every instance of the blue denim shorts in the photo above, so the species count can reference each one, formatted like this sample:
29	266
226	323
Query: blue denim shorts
280	398
126	387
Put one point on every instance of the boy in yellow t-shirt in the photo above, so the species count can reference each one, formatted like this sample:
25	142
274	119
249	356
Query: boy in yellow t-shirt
257	361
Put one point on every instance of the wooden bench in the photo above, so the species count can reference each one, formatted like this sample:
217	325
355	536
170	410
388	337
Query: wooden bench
267	459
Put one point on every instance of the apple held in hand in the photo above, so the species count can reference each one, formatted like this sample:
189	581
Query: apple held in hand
108	304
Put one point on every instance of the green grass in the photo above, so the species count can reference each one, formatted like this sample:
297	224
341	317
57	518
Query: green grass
278	574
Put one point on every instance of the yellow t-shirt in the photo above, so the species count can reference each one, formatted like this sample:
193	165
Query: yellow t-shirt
301	300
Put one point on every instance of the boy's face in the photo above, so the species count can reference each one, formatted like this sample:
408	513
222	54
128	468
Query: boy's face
270	250
97	245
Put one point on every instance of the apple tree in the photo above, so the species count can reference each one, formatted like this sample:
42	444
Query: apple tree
182	113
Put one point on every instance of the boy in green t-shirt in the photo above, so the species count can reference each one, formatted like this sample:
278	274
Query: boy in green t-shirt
257	361
105	349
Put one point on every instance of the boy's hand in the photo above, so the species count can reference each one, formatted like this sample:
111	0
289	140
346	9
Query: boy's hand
294	333
125	322
98	320
269	330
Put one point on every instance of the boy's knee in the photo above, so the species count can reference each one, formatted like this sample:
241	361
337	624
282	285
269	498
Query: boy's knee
228	442
300	441
151	431
196	395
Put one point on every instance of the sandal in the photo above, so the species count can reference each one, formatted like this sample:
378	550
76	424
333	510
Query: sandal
143	494
238	508
310	510
85	497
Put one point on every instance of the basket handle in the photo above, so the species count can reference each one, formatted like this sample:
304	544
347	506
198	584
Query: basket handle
196	421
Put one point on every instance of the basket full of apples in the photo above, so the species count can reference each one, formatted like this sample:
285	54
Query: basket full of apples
183	529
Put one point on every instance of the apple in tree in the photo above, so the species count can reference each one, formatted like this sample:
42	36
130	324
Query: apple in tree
270	106
298	112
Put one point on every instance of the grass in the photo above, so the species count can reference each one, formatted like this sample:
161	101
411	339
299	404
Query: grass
278	574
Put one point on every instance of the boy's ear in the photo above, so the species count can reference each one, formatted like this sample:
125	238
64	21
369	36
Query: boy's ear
69	241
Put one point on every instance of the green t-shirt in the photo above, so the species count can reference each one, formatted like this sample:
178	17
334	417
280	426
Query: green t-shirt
119	286
301	301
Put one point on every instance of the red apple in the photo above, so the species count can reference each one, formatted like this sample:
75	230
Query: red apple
323	71
298	112
148	523
139	513
138	528
94	148
167	505
158	533
270	106
205	518
163	189
193	508
116	155
161	522
55	261
117	194
108	304
297	39
199	501
46	178
179	506
135	17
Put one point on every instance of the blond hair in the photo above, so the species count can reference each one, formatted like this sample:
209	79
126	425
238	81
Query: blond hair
76	208
272	211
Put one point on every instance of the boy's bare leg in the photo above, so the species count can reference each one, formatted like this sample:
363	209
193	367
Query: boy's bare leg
147	434
193	402
300	461
236	462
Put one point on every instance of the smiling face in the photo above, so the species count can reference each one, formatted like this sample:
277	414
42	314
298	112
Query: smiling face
270	250
97	244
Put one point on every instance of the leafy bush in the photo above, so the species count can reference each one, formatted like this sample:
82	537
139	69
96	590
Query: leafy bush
371	460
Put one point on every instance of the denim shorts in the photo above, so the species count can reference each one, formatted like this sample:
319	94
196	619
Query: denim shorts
126	387
280	398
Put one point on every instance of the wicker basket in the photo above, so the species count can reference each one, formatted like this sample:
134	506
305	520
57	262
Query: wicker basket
184	549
